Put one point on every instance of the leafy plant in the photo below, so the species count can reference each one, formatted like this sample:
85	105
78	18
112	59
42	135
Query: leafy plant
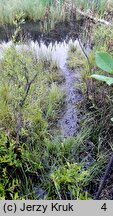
70	178
8	166
105	62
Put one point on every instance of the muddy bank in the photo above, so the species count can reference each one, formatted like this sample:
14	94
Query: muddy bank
69	120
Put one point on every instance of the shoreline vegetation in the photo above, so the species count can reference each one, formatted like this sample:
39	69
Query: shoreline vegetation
50	10
35	161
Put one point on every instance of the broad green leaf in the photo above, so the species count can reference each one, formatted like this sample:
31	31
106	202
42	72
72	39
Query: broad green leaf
112	119
108	80
104	61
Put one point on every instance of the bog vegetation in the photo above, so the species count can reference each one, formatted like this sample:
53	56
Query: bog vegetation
48	10
35	162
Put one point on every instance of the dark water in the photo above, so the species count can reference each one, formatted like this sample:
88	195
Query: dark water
36	31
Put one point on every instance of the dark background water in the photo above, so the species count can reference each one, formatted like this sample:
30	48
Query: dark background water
36	31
